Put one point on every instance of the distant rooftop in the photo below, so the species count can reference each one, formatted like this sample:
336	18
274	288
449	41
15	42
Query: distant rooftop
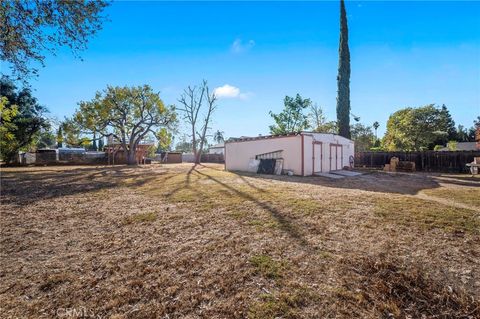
262	137
219	145
463	146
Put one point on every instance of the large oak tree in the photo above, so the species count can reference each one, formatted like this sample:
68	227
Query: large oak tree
129	114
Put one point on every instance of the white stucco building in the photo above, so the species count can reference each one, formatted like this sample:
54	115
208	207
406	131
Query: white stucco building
303	153
217	149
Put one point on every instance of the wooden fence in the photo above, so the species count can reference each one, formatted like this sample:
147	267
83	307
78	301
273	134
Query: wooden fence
212	158
454	162
206	158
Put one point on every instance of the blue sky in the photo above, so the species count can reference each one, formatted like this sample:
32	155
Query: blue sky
402	54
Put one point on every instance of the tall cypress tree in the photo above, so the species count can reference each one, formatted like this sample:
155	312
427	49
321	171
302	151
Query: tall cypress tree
100	144
59	137
343	78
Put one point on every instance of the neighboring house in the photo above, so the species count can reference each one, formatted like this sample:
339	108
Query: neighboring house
217	149
463	146
117	155
304	153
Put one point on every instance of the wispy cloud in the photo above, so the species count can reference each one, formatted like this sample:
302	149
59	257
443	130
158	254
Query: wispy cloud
238	46
228	91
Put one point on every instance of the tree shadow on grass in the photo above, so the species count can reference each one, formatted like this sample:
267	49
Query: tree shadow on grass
284	222
372	182
246	181
185	185
27	187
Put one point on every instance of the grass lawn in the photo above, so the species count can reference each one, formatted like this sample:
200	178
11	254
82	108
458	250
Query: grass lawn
183	241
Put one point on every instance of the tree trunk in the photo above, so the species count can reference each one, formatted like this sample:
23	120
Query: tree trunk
194	146
131	160
198	157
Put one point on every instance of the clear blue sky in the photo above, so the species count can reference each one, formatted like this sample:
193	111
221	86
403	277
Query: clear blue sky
402	54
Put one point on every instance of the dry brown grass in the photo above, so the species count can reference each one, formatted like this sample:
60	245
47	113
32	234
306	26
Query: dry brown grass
467	195
415	212
392	289
198	242
141	218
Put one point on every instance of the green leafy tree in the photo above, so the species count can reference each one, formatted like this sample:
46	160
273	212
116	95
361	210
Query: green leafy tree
28	29
316	117
71	133
100	144
184	145
94	144
292	118
218	137
23	117
447	125
343	78
86	143
128	114
60	137
362	136
412	129
472	133
165	139
7	128
376	125
46	139
330	127
88	121
151	151
318	121
462	134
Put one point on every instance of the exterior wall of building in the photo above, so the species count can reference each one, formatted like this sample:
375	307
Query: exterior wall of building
321	152
326	152
238	154
308	152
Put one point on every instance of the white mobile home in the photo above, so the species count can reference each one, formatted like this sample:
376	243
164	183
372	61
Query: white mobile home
304	153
